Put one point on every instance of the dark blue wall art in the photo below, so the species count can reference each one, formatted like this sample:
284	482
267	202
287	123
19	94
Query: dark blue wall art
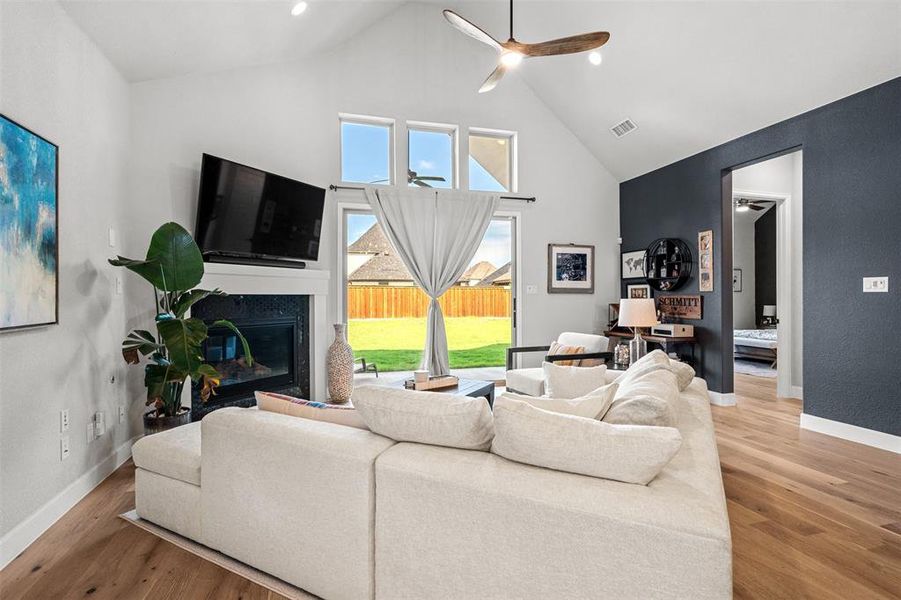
29	244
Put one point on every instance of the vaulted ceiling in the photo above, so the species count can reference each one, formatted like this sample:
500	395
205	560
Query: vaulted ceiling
691	74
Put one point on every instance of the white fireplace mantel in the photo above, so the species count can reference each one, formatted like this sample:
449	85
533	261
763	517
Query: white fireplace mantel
251	279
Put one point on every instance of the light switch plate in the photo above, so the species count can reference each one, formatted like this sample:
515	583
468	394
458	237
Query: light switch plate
112	238
875	284
531	289
64	420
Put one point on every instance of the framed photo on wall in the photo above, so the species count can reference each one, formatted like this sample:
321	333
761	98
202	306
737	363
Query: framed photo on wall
736	280
570	269
638	291
29	239
633	264
705	261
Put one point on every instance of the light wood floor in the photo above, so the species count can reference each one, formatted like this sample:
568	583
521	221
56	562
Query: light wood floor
812	517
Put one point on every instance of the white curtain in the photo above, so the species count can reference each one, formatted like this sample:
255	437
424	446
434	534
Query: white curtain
435	234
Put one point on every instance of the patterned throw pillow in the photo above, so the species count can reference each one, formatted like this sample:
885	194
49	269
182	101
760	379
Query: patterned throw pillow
558	349
340	414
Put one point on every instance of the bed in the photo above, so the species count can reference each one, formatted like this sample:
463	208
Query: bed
758	344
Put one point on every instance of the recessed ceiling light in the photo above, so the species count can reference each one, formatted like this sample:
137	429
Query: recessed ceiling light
511	58
298	8
595	58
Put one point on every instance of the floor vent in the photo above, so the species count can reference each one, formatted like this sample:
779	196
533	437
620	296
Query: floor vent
621	129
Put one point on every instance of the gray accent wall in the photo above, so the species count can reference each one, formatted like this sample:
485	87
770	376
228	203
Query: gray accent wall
851	229
764	262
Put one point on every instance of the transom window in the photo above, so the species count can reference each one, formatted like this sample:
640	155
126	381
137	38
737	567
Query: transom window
432	159
491	160
367	150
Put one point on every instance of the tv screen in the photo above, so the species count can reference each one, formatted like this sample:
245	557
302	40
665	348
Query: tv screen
246	212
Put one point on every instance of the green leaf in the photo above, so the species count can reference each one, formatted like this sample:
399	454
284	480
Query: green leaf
230	325
142	341
187	300
157	376
183	338
173	260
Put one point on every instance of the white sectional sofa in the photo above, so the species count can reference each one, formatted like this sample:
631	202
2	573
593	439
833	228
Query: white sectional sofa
347	514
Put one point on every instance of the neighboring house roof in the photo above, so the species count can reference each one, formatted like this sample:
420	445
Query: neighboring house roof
502	276
373	241
383	267
478	271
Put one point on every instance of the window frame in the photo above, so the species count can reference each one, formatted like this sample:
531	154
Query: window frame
454	131
392	145
512	138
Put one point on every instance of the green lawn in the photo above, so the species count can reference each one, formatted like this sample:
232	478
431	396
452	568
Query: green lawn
396	344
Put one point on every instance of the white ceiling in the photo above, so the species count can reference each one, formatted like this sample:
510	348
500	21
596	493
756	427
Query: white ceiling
691	74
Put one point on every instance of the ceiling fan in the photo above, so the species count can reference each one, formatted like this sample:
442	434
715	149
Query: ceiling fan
512	51
745	204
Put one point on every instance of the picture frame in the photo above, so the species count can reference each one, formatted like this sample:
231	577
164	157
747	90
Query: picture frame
570	269
633	264
31	163
638	291
705	260
736	280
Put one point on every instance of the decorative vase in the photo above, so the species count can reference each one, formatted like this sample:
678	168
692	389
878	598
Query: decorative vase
340	364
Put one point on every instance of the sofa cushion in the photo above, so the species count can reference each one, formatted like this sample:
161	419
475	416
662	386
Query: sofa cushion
558	349
627	453
340	414
426	417
646	399
590	342
591	406
526	381
658	360
174	453
572	382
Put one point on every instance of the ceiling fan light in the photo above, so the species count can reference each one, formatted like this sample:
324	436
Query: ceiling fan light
511	58
298	9
595	58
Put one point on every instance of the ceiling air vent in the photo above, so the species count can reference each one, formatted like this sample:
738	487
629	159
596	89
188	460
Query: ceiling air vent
621	129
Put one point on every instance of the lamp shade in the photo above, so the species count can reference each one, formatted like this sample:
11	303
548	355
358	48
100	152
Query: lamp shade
637	312
769	310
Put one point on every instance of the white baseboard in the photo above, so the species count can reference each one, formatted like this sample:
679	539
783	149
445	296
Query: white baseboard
853	433
721	399
797	392
25	533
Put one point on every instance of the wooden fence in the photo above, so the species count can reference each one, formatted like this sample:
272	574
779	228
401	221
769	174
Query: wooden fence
395	302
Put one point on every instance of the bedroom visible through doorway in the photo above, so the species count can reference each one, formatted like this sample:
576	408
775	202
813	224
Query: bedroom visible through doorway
766	279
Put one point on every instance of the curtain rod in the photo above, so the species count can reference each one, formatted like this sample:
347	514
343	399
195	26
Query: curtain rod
335	188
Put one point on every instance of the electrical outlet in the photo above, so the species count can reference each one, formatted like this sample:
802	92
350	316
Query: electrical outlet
64	420
118	285
90	432
121	414
99	424
64	448
112	238
875	284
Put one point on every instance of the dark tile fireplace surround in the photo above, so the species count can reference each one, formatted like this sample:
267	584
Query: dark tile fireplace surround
277	328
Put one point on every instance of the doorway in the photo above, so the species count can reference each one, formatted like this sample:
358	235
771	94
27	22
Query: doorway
386	311
767	201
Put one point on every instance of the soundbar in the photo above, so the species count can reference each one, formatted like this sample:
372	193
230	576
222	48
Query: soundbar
259	261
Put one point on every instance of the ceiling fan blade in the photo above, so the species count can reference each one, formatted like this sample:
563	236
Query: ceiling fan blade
755	207
430	178
492	80
567	45
421	183
471	30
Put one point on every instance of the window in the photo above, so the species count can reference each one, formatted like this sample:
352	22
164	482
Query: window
367	150
432	152
492	158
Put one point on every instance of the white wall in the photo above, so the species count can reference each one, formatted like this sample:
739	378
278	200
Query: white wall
743	303
54	81
784	175
409	66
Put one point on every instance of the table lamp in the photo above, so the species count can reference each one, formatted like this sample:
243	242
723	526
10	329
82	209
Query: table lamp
635	313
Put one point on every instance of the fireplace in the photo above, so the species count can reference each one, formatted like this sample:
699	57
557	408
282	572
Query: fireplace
277	330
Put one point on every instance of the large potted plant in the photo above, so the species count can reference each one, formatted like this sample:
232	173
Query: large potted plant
173	266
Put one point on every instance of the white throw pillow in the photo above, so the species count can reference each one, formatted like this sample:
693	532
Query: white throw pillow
628	453
659	360
592	405
572	382
426	417
648	398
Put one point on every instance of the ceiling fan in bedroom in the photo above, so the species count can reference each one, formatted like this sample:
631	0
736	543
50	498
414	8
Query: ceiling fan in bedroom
746	204
512	51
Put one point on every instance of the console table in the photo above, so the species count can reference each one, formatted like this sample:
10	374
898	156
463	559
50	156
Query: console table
667	343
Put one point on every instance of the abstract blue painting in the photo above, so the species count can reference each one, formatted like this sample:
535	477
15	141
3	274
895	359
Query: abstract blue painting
28	228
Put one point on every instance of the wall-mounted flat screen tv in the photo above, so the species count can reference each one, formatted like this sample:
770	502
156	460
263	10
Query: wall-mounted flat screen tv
247	213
